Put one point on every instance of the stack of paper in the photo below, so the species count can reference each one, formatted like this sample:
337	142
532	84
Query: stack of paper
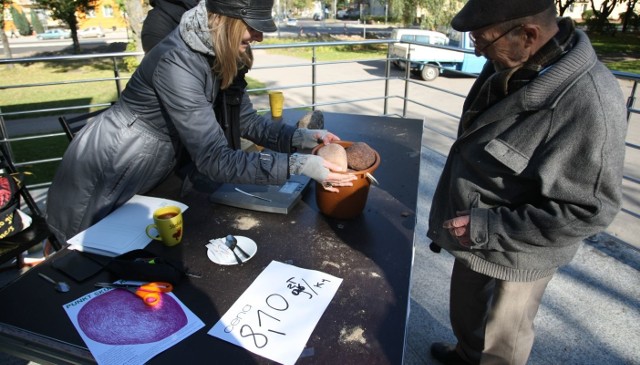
124	229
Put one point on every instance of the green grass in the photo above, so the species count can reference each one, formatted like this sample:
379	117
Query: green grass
632	66
328	53
621	43
620	52
33	150
40	97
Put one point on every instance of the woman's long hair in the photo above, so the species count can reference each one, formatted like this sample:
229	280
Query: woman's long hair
227	33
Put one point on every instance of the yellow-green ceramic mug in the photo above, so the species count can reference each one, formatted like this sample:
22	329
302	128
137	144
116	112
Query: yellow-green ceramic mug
167	222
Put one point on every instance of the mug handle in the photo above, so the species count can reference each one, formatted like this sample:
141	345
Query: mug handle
157	238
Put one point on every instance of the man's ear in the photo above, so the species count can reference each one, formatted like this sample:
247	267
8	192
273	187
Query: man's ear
532	35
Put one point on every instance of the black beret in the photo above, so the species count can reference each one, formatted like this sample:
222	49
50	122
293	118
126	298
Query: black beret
478	14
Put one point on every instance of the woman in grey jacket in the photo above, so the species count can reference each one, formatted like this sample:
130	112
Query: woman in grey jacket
168	107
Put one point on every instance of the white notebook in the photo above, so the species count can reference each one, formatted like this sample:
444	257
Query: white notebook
124	229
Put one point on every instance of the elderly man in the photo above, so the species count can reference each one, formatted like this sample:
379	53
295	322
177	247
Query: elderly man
536	168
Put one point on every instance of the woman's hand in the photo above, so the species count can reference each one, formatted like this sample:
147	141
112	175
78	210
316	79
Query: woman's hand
309	138
327	138
326	173
336	177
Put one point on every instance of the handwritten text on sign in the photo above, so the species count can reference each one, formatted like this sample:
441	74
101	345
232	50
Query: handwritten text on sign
275	316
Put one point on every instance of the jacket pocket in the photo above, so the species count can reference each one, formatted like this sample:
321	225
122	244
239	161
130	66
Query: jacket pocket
507	155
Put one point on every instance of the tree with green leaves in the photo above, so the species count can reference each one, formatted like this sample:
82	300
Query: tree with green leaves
36	24
405	11
20	21
438	13
65	10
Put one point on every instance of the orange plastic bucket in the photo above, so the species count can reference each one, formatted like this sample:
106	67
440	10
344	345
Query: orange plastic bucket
351	200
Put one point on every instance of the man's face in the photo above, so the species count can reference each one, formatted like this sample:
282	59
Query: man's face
505	48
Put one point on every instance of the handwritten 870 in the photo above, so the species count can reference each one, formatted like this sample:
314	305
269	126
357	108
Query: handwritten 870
266	318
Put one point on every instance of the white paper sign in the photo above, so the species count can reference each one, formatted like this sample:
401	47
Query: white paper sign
276	315
118	328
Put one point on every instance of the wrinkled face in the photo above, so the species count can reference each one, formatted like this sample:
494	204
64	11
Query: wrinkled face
250	35
506	49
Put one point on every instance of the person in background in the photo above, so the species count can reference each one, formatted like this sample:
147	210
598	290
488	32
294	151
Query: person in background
174	103
162	19
536	168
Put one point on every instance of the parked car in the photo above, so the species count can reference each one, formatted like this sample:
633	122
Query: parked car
291	22
91	32
430	62
341	14
352	14
55	34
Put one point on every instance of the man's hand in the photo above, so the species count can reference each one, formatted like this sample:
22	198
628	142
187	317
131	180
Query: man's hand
459	228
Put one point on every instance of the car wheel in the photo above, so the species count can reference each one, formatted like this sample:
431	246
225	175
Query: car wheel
429	73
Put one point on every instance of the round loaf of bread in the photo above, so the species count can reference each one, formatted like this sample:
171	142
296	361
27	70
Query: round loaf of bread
360	156
335	153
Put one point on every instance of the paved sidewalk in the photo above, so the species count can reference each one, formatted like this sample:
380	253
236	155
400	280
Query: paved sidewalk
590	313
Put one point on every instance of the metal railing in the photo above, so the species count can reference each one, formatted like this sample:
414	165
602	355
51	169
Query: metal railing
405	96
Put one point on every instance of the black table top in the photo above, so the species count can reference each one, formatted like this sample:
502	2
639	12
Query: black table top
373	254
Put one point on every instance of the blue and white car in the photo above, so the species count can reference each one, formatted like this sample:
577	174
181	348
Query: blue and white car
55	34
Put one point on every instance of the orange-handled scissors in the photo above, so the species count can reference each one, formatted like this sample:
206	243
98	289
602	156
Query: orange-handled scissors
150	293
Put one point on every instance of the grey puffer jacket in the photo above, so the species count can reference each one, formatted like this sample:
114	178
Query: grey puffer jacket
167	104
538	171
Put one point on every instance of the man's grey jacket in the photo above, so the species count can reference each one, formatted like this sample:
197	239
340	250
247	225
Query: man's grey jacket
538	171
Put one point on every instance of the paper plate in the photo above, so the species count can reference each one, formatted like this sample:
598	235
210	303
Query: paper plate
218	252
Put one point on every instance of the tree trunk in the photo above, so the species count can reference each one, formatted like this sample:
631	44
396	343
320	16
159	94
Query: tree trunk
563	7
631	4
73	25
135	16
5	45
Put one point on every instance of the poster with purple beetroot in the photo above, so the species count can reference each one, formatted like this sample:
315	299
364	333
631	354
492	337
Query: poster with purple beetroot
119	328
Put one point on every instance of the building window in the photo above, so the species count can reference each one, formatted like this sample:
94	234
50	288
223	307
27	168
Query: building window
91	12
107	11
